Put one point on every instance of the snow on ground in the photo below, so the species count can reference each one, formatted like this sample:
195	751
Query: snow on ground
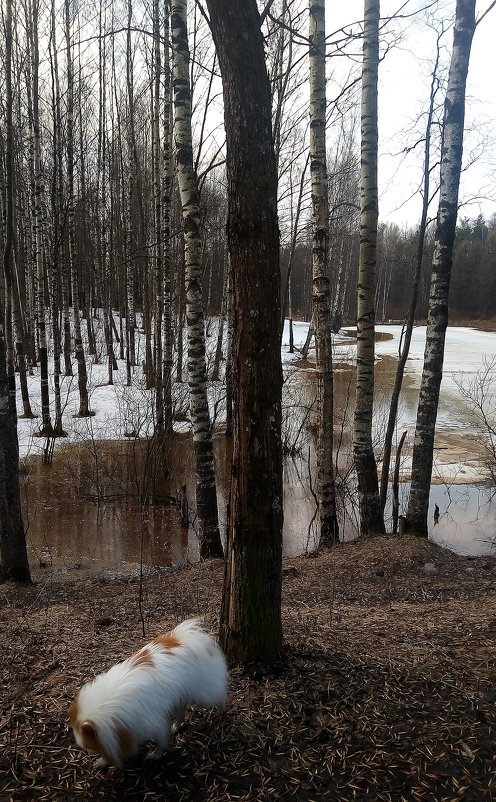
121	410
468	353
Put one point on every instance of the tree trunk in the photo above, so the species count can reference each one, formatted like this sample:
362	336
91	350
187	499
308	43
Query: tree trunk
57	202
158	265
167	328
410	319
132	180
437	319
206	496
251	626
371	520
326	493
84	409
46	424
14	561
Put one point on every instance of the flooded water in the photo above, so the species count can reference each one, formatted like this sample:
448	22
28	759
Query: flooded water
104	505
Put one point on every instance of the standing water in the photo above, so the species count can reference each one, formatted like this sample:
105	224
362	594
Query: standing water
105	504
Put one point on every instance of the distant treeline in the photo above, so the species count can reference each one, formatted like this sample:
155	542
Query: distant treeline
473	282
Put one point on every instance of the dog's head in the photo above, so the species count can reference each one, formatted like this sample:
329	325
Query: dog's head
110	739
85	732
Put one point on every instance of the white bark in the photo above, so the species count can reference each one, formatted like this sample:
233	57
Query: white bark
368	488
321	283
437	320
197	373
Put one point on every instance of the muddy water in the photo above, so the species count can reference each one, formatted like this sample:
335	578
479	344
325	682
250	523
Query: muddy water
101	506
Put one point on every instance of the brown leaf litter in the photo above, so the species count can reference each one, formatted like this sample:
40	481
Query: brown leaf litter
386	690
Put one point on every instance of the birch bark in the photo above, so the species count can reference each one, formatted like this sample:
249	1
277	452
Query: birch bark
437	319
321	295
206	497
371	520
46	424
84	409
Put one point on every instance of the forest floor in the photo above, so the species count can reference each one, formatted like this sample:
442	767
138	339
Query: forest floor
386	690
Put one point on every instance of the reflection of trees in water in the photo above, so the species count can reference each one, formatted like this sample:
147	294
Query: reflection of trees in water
479	395
467	518
84	509
472	523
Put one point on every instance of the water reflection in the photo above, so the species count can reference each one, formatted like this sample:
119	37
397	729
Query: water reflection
107	503
90	509
467	518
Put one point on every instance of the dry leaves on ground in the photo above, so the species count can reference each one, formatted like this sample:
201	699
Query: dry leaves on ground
386	690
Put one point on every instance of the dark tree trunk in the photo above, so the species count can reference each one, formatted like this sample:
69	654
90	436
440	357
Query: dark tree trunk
251	611
14	561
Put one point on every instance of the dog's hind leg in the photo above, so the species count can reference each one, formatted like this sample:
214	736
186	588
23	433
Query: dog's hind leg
178	719
162	740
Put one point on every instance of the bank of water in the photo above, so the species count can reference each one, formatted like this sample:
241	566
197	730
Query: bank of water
112	503
75	527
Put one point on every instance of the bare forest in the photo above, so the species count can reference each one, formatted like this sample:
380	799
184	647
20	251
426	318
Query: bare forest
185	188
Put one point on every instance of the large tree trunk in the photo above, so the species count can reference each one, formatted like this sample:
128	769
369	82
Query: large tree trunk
251	610
11	282
13	555
14	561
371	520
167	328
437	320
132	191
326	492
206	497
104	229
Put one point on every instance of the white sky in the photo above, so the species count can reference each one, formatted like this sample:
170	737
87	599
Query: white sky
403	93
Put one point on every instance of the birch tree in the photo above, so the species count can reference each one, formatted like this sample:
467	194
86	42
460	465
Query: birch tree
84	409
162	203
32	28
55	282
437	319
371	520
251	608
412	307
206	497
326	494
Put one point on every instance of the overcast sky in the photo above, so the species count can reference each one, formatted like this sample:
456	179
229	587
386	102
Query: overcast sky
404	80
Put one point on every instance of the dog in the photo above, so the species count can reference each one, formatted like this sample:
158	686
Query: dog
144	698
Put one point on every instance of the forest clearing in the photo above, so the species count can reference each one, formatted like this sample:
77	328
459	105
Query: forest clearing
385	690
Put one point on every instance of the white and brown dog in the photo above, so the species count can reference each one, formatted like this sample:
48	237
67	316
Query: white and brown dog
138	699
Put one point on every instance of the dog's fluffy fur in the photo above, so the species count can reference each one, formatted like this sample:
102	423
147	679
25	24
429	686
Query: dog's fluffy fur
136	700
